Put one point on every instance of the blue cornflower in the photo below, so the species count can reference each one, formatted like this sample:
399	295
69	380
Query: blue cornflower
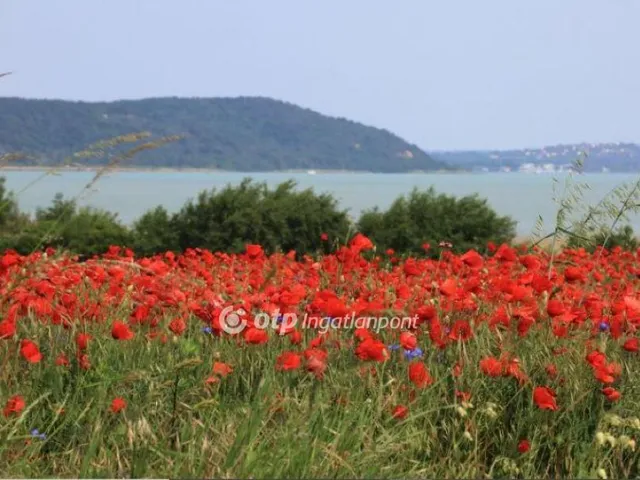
393	348
415	353
36	433
604	326
207	330
279	319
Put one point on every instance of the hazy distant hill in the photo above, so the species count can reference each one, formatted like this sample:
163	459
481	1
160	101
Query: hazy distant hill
243	134
617	157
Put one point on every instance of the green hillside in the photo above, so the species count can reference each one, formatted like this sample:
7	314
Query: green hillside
242	134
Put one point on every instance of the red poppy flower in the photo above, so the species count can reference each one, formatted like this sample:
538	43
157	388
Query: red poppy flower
255	336
62	360
492	367
15	405
545	398
419	375
7	328
288	361
118	404
400	412
254	251
178	326
524	446
473	260
611	393
222	369
121	331
631	345
408	340
461	330
82	341
30	351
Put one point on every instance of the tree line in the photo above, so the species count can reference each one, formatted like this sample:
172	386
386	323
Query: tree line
282	218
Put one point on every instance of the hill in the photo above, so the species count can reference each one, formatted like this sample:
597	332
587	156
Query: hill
615	157
241	134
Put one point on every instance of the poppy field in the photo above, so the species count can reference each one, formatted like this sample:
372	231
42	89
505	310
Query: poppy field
520	364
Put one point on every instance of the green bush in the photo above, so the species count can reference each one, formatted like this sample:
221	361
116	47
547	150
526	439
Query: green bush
11	219
428	217
154	232
84	231
278	219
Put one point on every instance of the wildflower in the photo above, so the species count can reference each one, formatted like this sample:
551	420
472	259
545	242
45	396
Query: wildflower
207	330
611	393
62	360
36	433
610	439
82	341
623	441
524	446
15	405
631	345
288	361
118	404
491	413
491	366
222	369
177	326
408	340
30	352
600	438
604	326
121	331
7	328
602	473
461	411
400	412
545	398
413	354
419	375
614	420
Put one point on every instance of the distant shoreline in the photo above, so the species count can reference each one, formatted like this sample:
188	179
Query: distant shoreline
209	170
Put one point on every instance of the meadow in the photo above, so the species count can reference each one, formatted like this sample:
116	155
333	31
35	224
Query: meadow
521	364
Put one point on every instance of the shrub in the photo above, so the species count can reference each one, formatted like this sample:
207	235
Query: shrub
427	217
154	232
11	219
280	219
84	231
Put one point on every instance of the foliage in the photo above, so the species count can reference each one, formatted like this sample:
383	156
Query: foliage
623	237
63	225
244	134
279	219
154	232
11	220
428	217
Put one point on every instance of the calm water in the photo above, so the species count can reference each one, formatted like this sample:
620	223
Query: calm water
522	196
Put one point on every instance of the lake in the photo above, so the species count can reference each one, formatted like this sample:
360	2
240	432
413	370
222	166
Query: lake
520	195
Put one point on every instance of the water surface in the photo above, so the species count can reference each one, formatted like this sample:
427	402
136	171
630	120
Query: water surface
519	195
